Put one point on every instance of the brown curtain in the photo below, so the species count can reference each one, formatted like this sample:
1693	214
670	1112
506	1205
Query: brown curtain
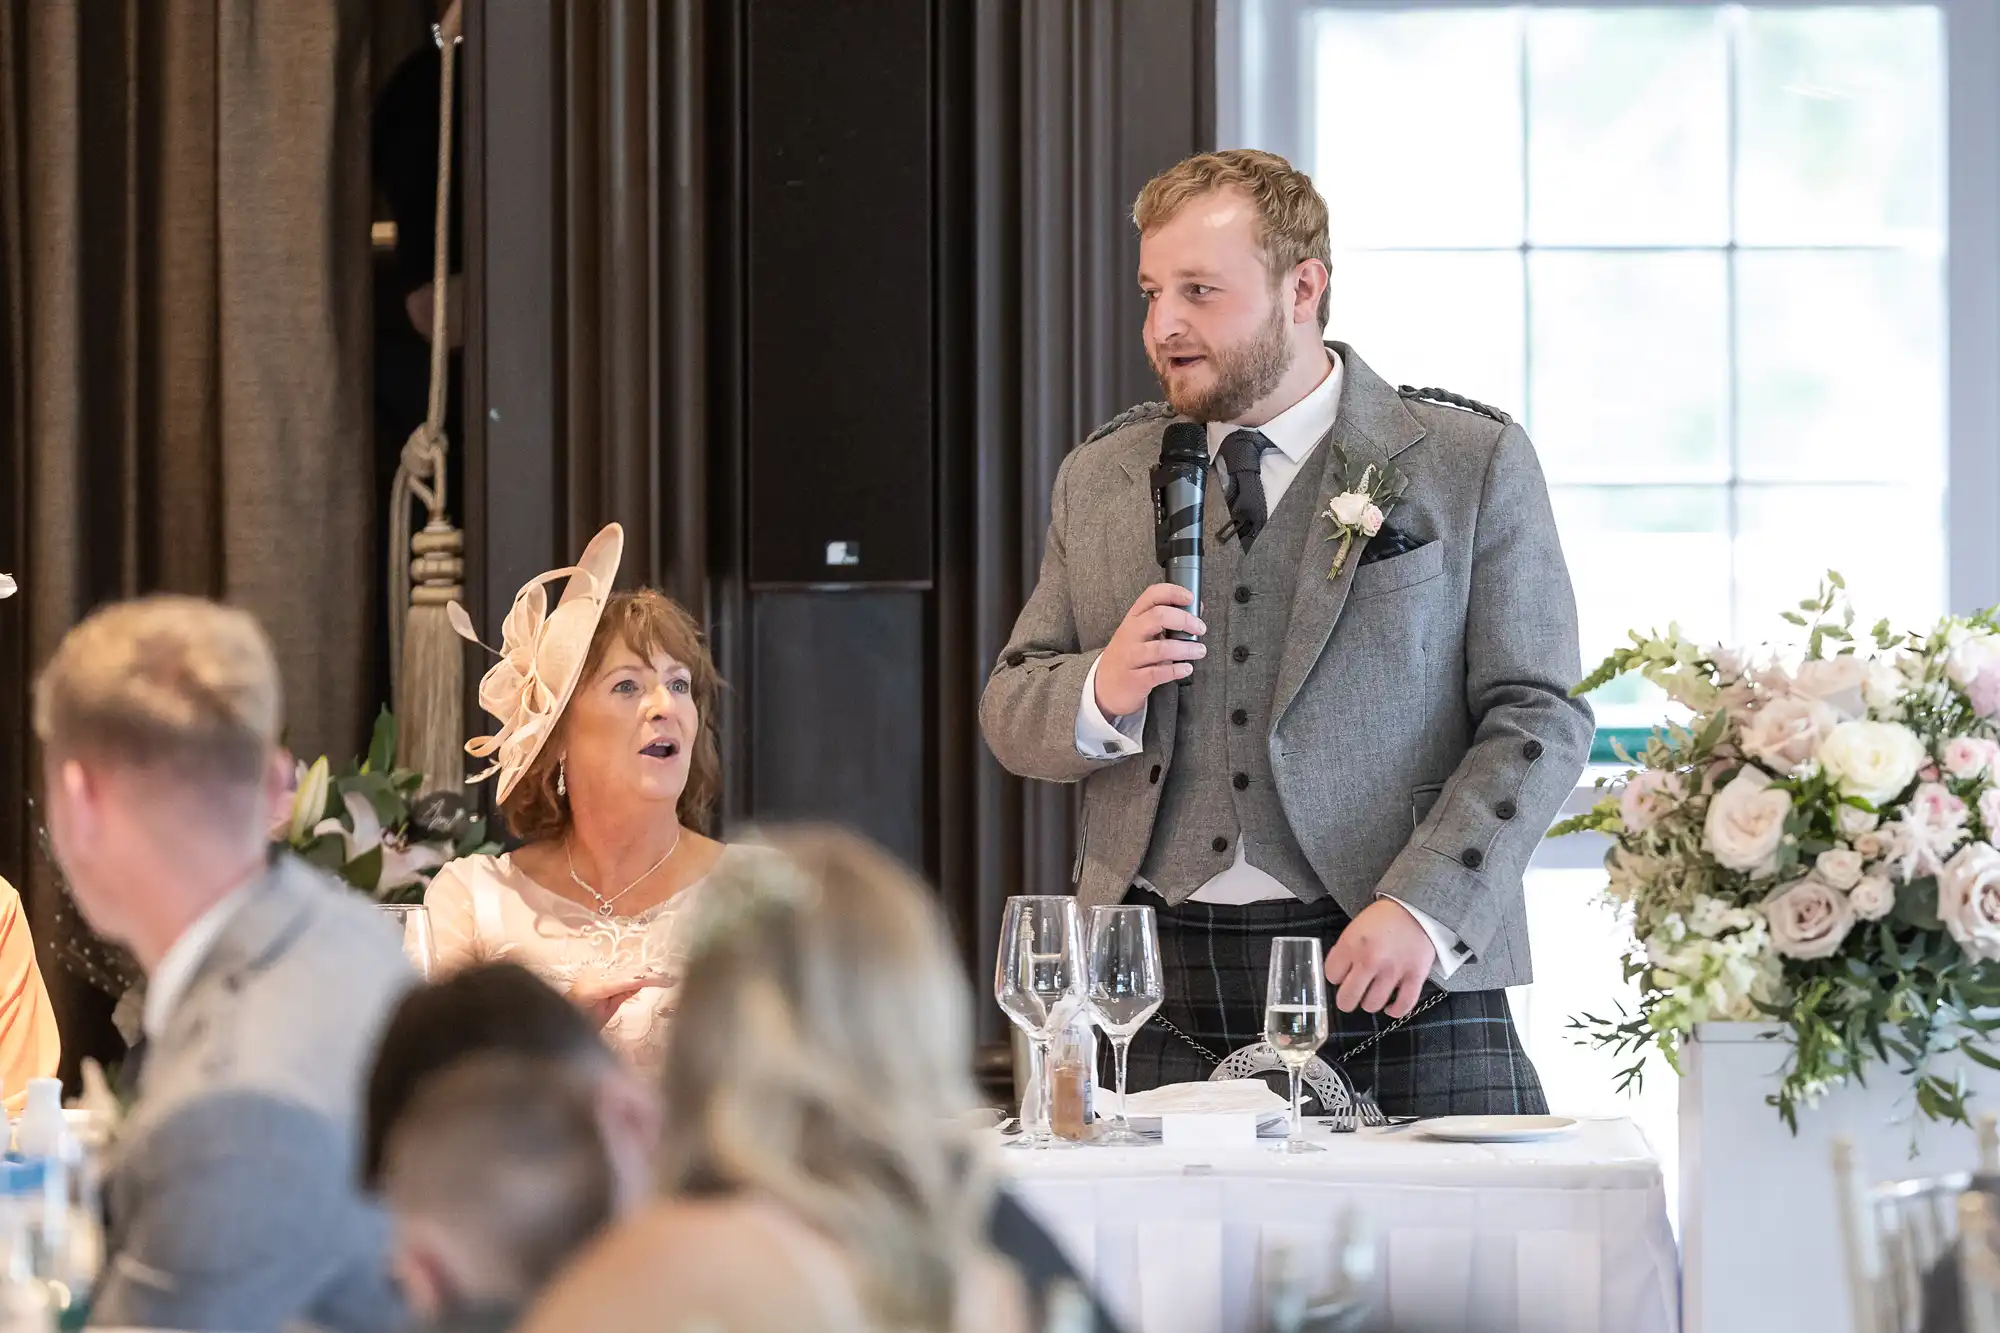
184	364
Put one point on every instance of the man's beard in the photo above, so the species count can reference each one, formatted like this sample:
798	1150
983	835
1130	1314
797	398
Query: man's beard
1243	374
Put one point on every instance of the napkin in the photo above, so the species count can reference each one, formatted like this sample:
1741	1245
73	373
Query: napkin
1235	1096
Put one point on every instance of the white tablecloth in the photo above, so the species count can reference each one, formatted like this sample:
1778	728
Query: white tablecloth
1568	1235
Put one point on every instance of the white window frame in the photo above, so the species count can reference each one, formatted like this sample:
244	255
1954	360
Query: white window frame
1279	121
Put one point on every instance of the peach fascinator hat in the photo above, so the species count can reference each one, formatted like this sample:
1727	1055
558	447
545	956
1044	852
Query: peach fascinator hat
541	656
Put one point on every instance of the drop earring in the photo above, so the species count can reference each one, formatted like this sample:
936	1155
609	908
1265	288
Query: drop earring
562	780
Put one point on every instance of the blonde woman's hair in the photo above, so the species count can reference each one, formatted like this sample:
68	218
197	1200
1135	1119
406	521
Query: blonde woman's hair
1291	215
168	684
821	1058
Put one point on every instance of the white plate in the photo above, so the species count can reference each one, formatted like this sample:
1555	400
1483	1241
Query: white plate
1495	1128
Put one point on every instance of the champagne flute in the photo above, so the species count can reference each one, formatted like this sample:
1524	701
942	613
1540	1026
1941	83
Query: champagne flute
1038	981
1295	1018
1125	990
414	921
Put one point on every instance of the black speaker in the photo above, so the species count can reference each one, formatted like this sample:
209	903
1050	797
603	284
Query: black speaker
840	291
839	715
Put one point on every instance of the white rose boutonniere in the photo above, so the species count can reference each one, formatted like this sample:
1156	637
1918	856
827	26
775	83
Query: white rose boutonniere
1362	505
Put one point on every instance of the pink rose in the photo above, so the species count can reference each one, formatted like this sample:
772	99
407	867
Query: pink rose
1936	808
1839	867
1869	845
1786	732
1969	901
1808	919
1647	797
1968	757
1873	898
1371	521
1929	773
1984	693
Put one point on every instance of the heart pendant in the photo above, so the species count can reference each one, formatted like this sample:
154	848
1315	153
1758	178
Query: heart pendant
604	909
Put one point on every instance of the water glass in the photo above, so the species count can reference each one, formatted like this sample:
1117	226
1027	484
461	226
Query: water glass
1295	1018
414	921
1038	981
1125	991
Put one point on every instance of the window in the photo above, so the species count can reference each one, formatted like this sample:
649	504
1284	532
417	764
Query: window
1699	250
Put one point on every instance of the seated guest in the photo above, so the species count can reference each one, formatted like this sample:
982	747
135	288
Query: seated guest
494	1174
30	1047
500	1009
814	1172
230	1195
608	773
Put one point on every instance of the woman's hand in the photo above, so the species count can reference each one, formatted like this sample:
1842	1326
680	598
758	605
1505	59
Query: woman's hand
603	997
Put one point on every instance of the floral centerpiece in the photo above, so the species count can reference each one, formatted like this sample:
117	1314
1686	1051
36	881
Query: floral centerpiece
366	823
1815	847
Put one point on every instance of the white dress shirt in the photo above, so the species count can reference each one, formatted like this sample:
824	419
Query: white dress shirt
1296	431
183	959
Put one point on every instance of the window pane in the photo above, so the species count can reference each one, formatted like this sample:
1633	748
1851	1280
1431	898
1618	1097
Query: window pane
1628	135
1417	125
1841	132
1840	366
1640	558
1630	365
1443	320
1886	541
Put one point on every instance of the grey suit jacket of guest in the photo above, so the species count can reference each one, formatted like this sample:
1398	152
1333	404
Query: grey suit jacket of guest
1422	733
232	1196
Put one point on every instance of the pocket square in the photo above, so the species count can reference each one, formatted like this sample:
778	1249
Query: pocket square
1389	543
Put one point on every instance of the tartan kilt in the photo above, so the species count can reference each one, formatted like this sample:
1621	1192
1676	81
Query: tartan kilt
1461	1056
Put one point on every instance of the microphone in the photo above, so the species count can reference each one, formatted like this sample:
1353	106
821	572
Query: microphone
1180	485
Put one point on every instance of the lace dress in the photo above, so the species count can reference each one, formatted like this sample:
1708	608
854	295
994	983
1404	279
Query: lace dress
484	909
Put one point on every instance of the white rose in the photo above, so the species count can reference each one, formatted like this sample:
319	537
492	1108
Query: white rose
1371	521
1966	757
1646	798
1853	821
1969	900
1836	682
1746	822
1873	898
1786	732
1882	685
1873	761
1972	655
1839	867
1808	920
1348	508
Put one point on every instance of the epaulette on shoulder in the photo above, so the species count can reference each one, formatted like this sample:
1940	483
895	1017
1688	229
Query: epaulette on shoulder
1450	399
1131	416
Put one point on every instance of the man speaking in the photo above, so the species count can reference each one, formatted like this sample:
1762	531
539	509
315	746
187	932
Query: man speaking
1370	730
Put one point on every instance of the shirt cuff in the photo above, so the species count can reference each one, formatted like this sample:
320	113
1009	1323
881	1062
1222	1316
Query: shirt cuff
1451	951
1099	737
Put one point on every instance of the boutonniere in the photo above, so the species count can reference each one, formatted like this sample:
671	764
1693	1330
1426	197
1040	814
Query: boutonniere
1362	505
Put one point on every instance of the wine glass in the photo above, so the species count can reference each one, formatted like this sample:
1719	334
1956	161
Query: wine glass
1038	980
1125	990
414	921
1295	1017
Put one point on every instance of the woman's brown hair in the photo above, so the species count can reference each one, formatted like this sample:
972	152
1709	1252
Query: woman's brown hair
649	623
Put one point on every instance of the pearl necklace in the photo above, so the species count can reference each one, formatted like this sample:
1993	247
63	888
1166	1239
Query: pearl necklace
604	904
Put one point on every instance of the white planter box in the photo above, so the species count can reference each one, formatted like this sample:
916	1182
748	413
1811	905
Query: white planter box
1760	1238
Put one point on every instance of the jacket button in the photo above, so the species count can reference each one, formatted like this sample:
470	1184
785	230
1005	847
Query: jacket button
1220	844
1241	654
1015	659
1505	810
1471	858
1241	780
1242	594
1533	749
1154	776
1241	717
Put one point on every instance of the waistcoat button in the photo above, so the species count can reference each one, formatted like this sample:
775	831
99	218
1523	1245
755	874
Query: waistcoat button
1242	654
1533	749
1241	717
1242	594
1505	810
1241	780
1220	844
1471	858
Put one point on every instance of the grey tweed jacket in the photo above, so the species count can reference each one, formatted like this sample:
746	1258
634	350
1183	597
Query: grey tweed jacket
1422	735
232	1197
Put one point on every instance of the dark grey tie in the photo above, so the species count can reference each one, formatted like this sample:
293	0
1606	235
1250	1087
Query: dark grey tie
1243	484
